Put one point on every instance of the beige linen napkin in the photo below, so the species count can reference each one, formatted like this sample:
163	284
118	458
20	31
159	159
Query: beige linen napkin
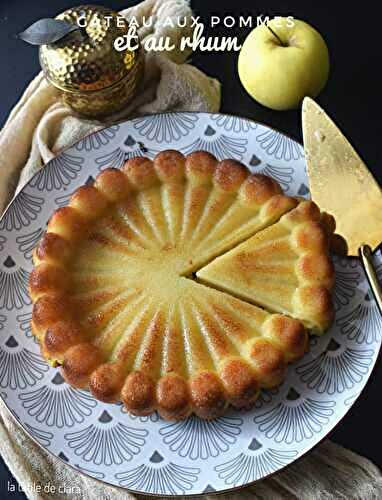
37	128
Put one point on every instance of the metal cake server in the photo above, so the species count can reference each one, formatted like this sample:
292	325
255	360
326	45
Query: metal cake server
341	185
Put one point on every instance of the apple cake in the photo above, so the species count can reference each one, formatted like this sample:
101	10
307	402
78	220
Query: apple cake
180	284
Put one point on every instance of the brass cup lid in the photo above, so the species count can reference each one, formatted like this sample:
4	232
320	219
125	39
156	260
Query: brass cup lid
86	60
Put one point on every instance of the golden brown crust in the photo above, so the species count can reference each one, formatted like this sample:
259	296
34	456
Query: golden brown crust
173	397
170	166
138	393
68	223
113	184
140	172
52	249
258	189
316	304
207	393
106	382
304	212
60	337
48	310
200	167
316	268
276	206
89	202
79	363
229	175
46	278
288	334
310	236
268	362
240	383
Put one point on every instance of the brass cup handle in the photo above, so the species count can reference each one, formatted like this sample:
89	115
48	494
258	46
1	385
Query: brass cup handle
365	255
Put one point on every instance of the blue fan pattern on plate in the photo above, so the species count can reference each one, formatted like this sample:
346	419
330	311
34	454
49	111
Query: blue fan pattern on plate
245	468
279	146
149	454
24	210
233	123
24	322
348	277
350	400
63	200
57	404
337	369
220	145
363	324
295	419
19	368
165	127
169	479
198	439
27	242
106	442
98	139
94	473
13	286
154	417
283	175
59	173
40	435
131	148
3	239
3	319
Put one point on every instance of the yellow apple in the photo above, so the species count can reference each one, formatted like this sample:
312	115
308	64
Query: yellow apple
283	62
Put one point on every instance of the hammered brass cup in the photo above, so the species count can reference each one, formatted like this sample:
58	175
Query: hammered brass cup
96	80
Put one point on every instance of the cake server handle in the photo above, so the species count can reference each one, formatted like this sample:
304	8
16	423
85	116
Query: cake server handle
366	257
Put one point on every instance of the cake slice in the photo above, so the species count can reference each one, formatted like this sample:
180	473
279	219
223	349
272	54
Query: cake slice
285	268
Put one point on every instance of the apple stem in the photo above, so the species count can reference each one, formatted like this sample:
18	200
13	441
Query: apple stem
277	36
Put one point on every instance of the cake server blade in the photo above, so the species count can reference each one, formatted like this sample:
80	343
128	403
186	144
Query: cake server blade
341	185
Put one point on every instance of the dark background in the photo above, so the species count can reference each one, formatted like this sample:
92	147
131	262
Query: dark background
352	96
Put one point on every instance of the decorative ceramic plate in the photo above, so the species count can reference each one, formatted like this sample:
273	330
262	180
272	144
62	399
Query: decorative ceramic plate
146	454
